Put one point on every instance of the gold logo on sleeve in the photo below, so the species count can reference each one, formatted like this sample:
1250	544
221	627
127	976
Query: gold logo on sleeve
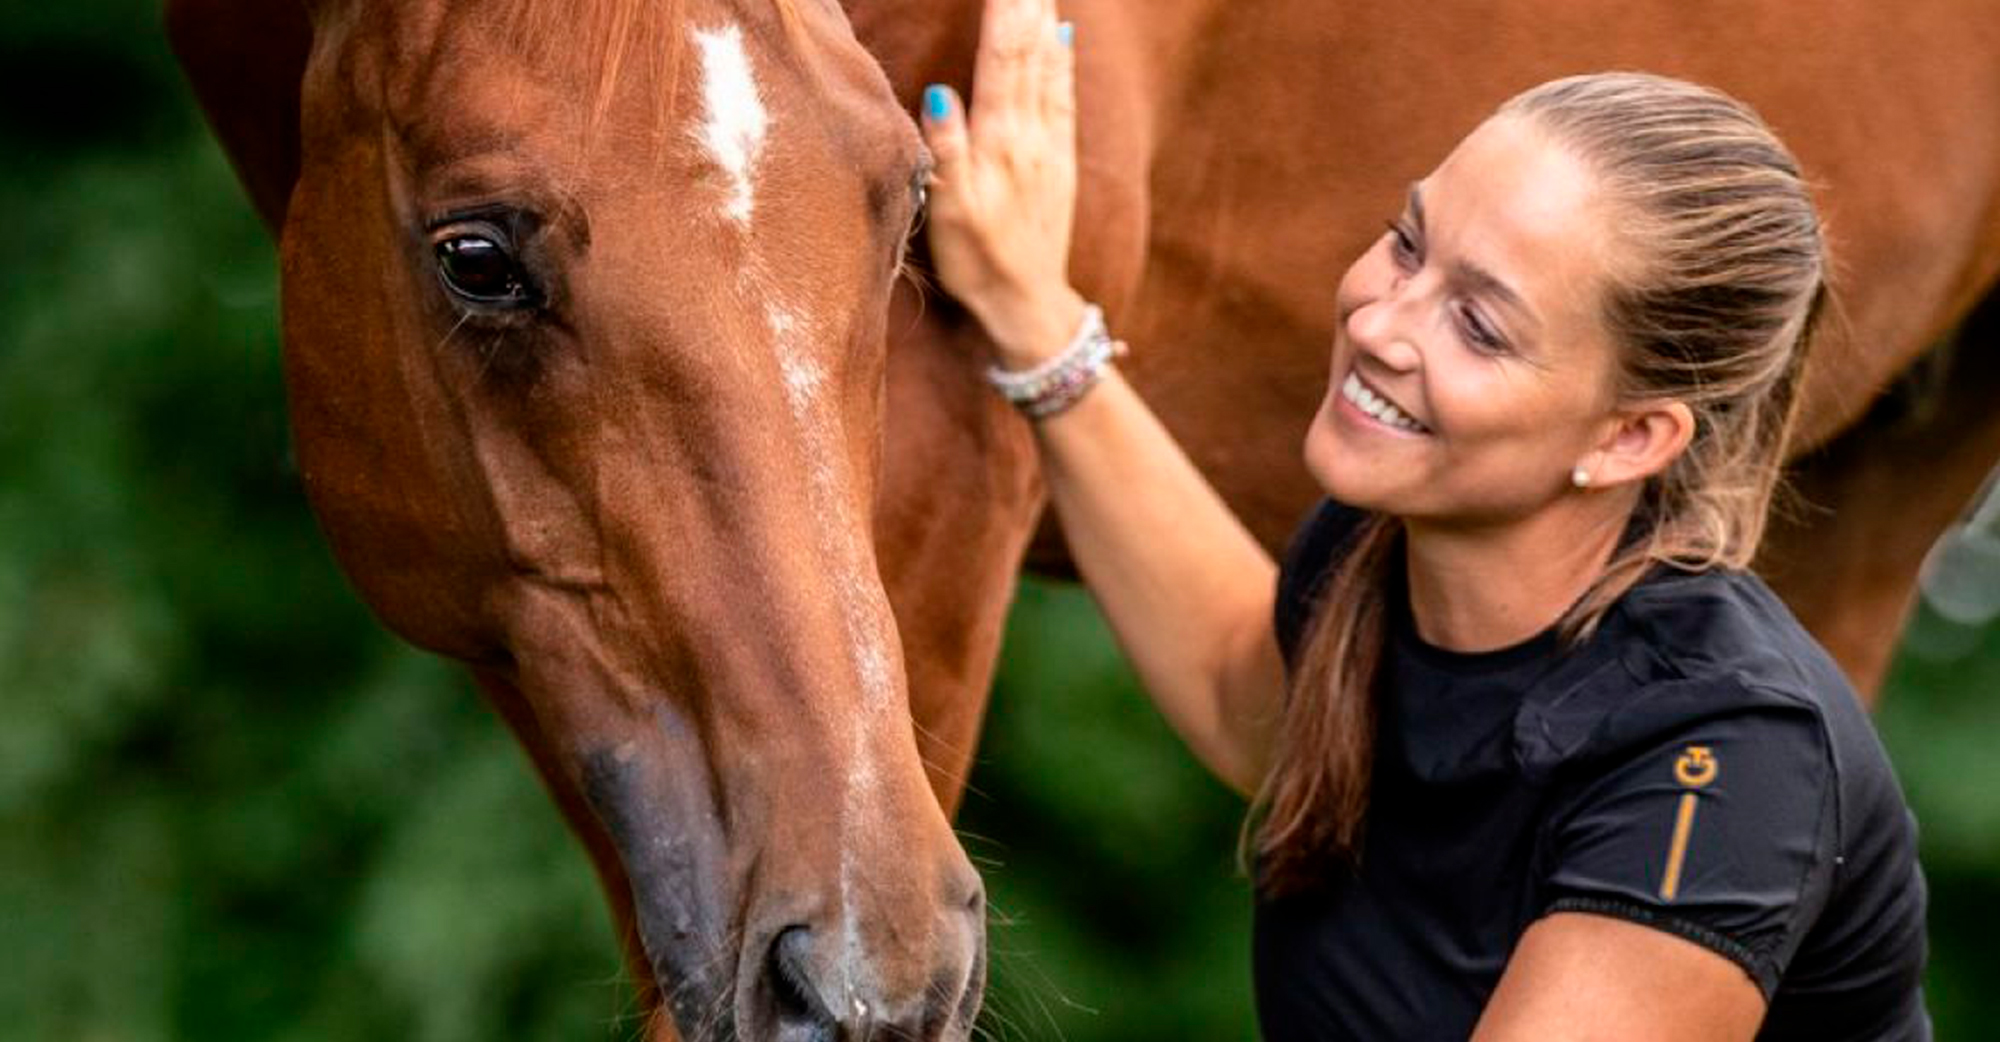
1695	768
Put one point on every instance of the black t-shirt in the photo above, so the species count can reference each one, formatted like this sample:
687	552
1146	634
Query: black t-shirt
1698	765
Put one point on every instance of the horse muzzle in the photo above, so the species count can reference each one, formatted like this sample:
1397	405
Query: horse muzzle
836	924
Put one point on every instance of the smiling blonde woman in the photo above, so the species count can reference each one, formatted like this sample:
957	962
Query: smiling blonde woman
1532	755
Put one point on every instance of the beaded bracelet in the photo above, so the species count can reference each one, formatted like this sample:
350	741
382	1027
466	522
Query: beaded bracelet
1060	382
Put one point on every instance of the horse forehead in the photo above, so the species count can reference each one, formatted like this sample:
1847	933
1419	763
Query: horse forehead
758	75
735	119
712	87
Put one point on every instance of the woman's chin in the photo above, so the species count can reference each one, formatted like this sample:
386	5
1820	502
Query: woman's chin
1347	473
1324	458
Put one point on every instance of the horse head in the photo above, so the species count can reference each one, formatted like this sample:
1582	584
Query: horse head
584	311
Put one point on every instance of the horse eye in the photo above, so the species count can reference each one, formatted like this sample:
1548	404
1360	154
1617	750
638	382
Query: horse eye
478	265
920	187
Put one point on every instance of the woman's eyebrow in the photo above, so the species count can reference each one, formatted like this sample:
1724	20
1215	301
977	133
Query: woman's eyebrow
1468	276
1480	282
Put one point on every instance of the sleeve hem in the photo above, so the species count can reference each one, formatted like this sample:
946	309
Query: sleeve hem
1759	970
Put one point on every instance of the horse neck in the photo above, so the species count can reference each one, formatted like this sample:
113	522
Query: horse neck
933	41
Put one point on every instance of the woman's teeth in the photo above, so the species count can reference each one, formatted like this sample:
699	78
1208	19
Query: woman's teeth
1377	406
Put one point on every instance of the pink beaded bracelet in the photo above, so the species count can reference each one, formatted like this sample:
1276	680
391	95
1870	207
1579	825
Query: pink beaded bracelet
1061	381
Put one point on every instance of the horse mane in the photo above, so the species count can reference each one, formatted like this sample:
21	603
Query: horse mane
612	40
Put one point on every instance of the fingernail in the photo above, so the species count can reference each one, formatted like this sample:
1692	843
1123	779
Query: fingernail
1066	32
937	102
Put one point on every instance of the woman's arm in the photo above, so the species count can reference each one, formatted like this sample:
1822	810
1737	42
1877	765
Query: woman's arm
1187	590
1577	977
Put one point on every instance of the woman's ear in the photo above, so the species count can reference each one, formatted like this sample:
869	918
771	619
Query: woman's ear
1643	440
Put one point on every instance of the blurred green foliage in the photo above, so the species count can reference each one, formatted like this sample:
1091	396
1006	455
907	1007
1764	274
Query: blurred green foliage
232	808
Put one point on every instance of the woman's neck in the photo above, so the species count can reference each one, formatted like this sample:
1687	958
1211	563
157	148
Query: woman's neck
1477	589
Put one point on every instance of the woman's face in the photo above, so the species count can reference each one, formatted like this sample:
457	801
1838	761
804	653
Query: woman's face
1471	370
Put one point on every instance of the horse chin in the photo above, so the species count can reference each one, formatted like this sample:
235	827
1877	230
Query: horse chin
672	850
692	972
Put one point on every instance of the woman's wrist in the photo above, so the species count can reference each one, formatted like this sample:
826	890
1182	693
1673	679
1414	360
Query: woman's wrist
1031	330
1060	381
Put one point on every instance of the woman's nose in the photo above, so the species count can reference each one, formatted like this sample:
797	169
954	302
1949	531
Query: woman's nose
1386	329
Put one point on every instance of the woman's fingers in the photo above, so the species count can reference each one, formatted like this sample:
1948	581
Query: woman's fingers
1045	53
1059	81
943	127
1004	189
1023	91
1003	74
1021	49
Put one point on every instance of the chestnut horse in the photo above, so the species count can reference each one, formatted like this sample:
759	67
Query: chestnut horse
584	323
584	314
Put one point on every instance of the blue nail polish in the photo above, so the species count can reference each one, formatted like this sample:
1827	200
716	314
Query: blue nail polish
1066	32
937	102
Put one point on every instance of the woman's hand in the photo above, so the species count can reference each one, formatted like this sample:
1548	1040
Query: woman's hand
1187	589
1003	193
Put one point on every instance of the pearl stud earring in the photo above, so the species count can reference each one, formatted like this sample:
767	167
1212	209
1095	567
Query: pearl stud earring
1580	477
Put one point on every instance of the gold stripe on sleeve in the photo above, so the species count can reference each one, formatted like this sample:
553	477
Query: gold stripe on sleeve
1677	852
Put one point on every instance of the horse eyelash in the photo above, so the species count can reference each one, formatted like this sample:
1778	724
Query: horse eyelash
502	215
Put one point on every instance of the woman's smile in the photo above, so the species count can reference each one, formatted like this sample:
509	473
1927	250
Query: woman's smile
1366	406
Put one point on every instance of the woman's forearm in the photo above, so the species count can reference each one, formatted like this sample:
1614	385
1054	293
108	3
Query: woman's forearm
1186	588
1188	592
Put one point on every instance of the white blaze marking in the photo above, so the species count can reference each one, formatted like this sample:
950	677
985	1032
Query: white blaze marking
736	121
732	134
827	484
802	381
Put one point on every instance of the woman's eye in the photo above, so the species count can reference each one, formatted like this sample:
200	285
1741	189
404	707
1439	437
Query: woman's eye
1403	245
1477	330
477	263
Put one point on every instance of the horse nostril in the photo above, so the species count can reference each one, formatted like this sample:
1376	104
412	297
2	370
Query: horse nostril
973	891
797	1003
808	994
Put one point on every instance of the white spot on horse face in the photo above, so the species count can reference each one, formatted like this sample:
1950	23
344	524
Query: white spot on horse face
802	380
802	375
735	122
783	324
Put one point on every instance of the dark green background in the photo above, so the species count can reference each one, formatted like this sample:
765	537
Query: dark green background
232	808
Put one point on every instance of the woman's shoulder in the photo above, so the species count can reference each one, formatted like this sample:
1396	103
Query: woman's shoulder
1708	660
1688	653
1726	623
1708	712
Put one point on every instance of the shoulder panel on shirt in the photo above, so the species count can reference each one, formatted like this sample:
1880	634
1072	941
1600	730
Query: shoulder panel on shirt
1664	657
1719	828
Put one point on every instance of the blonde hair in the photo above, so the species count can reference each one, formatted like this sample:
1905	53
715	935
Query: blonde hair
1716	313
